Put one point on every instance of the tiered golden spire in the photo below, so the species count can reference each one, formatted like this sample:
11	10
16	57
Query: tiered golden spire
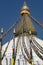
25	22
25	9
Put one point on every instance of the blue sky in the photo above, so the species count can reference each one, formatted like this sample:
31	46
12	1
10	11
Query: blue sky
10	12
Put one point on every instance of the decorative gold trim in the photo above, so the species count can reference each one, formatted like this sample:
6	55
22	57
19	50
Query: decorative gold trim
25	12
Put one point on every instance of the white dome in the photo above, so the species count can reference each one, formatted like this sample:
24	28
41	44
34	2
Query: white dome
8	53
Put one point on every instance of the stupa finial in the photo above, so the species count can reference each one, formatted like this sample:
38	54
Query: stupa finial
25	9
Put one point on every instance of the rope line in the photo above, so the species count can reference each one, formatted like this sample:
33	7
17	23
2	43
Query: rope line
38	48
17	43
5	34
25	49
37	44
6	48
25	56
36	21
37	52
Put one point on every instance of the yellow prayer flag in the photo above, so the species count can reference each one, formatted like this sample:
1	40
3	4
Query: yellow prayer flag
13	61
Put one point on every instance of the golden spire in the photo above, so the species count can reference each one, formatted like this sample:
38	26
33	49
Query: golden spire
25	22
25	9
